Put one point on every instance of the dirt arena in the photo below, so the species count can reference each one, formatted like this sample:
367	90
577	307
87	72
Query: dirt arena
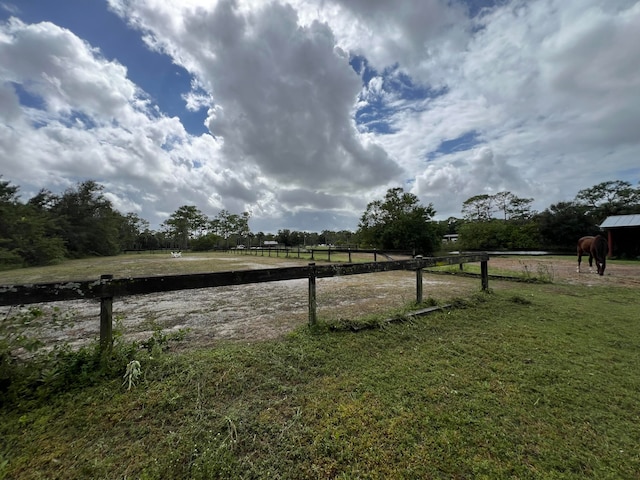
269	310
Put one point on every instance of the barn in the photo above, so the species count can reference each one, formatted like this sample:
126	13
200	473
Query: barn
623	234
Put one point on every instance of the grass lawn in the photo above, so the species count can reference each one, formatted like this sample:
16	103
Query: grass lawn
531	381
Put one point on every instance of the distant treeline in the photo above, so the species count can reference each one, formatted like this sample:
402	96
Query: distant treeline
81	222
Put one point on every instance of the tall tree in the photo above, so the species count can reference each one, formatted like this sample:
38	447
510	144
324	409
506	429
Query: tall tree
609	198
28	236
512	206
478	208
36	239
329	237
227	224
562	224
515	230
87	221
131	229
9	257
185	223
399	222
502	200
520	209
284	237
8	207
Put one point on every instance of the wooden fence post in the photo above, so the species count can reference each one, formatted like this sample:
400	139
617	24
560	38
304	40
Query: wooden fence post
349	254
484	273
419	282
106	316
312	295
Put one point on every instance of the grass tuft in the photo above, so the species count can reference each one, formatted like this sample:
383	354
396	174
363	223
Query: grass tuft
520	300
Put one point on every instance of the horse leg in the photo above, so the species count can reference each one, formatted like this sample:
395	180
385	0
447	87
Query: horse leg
600	264
579	260
591	263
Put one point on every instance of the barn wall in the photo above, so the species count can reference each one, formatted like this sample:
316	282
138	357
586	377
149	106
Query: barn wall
625	242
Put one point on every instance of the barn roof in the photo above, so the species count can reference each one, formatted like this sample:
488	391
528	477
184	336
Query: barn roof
617	221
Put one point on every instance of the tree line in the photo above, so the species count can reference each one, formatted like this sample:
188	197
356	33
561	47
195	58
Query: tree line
81	222
505	221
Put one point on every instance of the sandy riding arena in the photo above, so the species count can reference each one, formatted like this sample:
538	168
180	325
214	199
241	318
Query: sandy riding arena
269	310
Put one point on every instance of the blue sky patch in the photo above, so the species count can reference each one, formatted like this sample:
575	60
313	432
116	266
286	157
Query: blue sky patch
155	73
458	144
397	91
476	7
27	98
79	119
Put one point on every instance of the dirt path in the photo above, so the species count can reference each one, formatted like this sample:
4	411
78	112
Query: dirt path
269	310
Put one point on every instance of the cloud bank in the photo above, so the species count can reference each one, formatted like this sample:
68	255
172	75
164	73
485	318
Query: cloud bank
314	109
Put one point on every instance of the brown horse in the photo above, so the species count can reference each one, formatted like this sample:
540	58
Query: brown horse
596	247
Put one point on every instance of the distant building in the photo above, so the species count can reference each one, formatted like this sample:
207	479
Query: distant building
450	238
623	235
270	244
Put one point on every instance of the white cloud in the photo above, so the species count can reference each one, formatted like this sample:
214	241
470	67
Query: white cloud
67	73
94	123
283	94
195	100
548	88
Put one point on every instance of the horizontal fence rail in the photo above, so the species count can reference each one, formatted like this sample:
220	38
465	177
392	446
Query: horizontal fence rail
107	287
118	287
324	252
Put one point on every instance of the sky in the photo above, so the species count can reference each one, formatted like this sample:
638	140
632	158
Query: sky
303	112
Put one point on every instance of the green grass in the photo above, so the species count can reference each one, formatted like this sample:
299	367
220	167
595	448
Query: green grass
532	381
527	271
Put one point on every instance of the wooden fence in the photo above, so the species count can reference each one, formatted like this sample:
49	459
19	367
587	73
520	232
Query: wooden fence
107	288
324	253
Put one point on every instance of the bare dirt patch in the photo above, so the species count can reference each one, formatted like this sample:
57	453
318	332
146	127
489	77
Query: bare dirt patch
270	310
564	270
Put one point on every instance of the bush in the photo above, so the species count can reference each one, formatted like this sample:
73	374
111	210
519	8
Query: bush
498	235
9	259
205	243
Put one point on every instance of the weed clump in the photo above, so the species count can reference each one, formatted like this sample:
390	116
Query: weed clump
544	273
29	372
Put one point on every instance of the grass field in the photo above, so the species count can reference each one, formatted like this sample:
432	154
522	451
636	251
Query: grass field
530	381
148	264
